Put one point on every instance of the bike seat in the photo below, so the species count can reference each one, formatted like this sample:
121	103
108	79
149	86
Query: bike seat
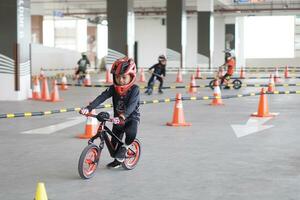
103	116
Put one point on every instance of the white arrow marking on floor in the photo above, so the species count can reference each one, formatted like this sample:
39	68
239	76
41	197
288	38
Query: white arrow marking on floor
253	125
56	127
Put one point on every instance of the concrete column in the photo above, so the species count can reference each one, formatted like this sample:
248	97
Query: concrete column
219	42
176	33
205	32
120	17
239	42
15	40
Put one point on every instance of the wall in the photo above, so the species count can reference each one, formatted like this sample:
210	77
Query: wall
43	57
277	62
273	62
151	37
37	29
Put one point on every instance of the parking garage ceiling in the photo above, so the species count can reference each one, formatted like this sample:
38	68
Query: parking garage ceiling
144	7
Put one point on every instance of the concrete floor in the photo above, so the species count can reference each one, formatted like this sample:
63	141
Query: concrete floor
204	161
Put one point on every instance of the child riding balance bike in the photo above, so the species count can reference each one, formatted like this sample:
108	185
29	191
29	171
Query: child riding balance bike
158	71
125	98
226	79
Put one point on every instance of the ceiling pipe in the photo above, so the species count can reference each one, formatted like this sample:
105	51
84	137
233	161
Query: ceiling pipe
163	12
254	10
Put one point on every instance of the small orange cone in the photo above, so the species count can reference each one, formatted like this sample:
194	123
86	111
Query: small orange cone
45	90
90	127
192	88
286	72
263	110
42	74
217	100
54	93
178	115
276	77
64	83
242	73
87	81
179	77
36	92
108	76
271	85
142	76
198	73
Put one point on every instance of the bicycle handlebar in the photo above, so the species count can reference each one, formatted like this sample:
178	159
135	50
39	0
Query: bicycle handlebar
99	116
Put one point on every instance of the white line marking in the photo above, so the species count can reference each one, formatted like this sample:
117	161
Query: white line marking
253	125
56	127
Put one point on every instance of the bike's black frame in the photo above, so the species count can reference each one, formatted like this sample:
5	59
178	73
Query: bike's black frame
102	133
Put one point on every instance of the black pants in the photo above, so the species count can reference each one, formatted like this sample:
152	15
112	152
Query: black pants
130	130
225	77
151	82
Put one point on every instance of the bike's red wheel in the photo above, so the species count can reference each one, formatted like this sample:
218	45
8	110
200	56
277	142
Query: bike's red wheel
132	155
88	161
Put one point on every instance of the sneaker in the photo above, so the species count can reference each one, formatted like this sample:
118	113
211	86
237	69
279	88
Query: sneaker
150	92
120	155
146	91
226	87
160	92
114	164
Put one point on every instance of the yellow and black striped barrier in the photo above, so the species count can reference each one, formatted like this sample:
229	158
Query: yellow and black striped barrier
65	69
250	77
167	100
245	70
188	86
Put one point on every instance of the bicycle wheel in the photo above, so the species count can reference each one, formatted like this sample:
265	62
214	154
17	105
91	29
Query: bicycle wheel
88	161
211	84
132	155
237	84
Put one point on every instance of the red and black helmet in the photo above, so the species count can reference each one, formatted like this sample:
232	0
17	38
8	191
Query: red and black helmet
162	58
123	66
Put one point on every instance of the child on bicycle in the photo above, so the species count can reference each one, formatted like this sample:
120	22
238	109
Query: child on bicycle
125	97
230	64
83	63
159	72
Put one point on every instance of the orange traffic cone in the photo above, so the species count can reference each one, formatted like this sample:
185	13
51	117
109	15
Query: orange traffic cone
108	76
179	77
263	109
217	100
87	81
286	72
276	77
45	90
178	115
198	73
36	92
42	73
242	73
54	93
142	76
192	88
90	127
64	83
271	85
